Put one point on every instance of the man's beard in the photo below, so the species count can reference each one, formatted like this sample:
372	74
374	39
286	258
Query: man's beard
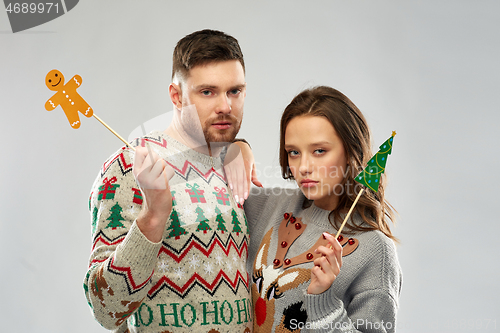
228	135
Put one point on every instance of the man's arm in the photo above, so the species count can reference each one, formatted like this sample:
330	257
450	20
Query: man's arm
152	174
127	233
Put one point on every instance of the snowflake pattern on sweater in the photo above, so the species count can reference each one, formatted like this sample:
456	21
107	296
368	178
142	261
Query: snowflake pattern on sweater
195	279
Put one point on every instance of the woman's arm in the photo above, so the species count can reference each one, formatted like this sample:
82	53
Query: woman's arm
239	166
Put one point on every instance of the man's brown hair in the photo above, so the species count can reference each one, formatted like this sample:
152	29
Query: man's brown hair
203	47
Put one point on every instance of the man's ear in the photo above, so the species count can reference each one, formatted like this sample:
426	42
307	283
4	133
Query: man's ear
174	90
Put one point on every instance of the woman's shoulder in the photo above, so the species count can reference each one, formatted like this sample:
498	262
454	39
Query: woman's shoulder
274	191
277	198
273	195
377	244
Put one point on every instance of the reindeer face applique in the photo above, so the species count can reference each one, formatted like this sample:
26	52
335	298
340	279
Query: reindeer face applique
272	280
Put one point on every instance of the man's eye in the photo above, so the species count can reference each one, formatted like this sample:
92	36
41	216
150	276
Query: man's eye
235	91
206	92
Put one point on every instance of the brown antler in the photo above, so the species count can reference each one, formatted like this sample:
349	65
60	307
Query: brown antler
290	229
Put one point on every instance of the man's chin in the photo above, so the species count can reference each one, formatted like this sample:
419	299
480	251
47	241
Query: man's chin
227	136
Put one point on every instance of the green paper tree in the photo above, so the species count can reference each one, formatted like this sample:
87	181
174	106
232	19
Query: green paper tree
236	228
115	217
175	226
203	221
370	176
221	223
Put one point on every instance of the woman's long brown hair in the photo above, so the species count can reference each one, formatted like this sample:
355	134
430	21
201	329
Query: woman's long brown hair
352	128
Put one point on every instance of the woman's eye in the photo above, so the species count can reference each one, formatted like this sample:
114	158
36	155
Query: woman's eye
320	151
293	153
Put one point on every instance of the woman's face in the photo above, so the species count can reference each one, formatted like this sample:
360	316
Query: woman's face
317	159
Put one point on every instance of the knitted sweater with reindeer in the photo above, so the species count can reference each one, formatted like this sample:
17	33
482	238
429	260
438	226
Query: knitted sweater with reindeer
363	297
195	279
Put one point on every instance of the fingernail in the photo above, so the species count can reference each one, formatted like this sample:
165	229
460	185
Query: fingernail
236	198
231	186
246	195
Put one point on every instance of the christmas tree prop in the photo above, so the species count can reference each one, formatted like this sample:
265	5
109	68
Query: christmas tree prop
70	101
115	217
370	176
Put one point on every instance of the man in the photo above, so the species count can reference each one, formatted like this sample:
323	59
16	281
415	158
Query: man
169	241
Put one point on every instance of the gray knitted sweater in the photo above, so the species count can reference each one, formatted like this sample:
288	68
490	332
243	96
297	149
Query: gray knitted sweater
363	297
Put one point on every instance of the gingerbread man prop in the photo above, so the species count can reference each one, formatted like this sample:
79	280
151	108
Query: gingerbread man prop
66	96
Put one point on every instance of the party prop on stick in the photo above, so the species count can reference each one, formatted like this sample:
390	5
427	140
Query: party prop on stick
70	101
370	176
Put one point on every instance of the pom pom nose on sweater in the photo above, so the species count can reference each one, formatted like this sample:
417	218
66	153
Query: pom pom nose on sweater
195	279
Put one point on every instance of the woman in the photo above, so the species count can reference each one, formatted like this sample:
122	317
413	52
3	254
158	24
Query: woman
303	278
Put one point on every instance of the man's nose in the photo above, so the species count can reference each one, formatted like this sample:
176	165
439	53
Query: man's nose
224	105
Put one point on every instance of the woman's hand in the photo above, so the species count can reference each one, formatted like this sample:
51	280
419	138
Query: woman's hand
239	166
327	267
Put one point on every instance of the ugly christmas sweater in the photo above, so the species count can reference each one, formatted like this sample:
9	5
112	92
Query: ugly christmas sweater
363	297
195	279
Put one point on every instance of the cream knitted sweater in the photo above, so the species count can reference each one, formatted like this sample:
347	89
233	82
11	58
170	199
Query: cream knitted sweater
195	279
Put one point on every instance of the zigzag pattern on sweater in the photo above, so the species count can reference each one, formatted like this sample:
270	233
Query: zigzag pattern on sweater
187	168
126	273
184	172
155	140
119	158
197	280
101	237
206	249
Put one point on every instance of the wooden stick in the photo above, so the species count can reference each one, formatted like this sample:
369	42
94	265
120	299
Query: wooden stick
117	135
350	211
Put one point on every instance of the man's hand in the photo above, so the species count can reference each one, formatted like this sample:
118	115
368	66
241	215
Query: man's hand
152	174
327	267
239	166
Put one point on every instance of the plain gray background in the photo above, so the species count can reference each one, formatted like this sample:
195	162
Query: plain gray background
427	69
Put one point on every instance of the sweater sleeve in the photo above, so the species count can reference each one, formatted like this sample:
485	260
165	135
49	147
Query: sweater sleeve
254	205
370	309
122	259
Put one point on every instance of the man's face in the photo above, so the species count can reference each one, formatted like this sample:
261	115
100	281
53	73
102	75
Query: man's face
218	91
